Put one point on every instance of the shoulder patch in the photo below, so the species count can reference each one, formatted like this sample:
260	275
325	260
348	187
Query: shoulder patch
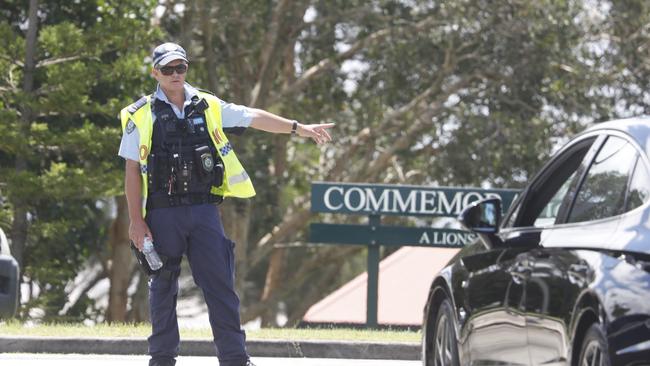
205	91
137	105
130	127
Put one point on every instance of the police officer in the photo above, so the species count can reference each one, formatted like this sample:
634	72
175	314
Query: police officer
179	163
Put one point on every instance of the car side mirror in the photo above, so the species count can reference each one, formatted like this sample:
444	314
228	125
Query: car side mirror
482	216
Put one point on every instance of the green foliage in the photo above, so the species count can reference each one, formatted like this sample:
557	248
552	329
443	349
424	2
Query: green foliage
89	58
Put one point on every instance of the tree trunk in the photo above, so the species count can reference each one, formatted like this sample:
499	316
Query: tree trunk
121	263
20	224
187	24
139	312
275	271
273	281
312	296
207	30
235	214
299	277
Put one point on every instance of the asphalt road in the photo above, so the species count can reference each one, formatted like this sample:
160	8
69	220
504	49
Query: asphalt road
31	359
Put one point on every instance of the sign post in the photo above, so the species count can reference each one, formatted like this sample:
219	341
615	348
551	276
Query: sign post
377	200
372	297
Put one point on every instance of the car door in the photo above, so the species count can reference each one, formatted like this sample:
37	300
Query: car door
494	304
525	227
588	217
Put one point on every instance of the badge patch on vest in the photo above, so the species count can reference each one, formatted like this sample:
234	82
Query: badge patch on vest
130	127
225	149
144	151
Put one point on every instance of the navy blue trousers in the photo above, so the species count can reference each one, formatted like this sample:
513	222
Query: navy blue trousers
197	232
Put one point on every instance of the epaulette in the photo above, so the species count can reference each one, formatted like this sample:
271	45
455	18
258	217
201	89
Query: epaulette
137	105
205	91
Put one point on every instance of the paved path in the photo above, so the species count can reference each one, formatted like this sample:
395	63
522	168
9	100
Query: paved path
31	359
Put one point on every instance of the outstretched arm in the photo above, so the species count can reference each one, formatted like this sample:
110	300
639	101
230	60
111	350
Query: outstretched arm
270	122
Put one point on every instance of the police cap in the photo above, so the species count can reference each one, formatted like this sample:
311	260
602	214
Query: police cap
168	52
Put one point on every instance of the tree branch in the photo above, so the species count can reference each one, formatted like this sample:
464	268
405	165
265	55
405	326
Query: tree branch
301	276
54	61
208	46
270	44
96	274
300	214
286	34
421	124
15	62
329	63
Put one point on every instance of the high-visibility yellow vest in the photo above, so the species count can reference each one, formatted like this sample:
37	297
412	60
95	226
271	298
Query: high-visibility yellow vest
236	182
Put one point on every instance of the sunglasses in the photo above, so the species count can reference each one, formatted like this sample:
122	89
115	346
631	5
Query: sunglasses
168	70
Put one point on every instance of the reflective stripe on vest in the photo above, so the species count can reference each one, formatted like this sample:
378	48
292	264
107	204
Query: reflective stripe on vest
236	181
238	178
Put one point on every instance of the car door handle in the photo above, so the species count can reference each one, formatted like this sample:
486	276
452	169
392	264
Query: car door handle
541	254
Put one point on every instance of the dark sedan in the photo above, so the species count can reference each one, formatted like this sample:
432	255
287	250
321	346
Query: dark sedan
9	276
564	277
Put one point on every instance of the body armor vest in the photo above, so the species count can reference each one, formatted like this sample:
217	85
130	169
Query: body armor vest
236	182
183	164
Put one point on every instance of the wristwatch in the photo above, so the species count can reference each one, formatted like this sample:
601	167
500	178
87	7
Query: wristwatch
294	127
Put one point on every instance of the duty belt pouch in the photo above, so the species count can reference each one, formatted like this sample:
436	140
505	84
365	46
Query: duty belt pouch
204	161
153	172
182	175
218	173
142	261
209	165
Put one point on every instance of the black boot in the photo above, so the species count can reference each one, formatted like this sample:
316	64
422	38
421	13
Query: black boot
162	362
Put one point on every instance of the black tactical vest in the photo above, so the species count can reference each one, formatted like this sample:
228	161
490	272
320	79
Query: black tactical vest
183	164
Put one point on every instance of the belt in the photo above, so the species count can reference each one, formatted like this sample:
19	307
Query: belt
182	200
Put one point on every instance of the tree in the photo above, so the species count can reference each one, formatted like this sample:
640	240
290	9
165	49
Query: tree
455	92
67	69
621	30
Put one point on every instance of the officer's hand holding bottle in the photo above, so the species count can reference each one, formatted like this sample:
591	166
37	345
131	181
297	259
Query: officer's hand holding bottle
155	263
138	229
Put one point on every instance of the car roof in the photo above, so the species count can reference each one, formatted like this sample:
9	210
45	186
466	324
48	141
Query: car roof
637	127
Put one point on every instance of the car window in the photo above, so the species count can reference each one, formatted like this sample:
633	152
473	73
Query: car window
544	196
509	221
639	190
552	208
602	194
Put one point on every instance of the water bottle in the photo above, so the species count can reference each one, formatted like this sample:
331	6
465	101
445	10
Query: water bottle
150	254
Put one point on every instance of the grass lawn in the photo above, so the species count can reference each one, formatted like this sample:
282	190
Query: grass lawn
143	330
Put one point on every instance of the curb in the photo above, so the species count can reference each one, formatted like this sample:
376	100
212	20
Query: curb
256	348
